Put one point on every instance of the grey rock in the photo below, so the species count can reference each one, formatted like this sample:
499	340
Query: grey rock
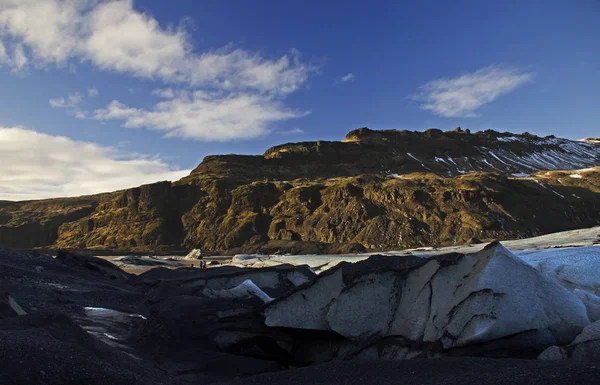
586	347
91	265
9	307
553	353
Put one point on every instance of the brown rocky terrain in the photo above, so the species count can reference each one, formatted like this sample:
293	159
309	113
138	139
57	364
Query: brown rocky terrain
373	190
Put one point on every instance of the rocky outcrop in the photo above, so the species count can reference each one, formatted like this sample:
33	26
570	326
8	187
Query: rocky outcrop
9	307
594	141
385	212
585	347
90	265
378	212
365	151
148	216
35	223
375	190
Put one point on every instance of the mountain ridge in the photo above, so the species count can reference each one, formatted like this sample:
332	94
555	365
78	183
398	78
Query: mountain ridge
365	151
374	190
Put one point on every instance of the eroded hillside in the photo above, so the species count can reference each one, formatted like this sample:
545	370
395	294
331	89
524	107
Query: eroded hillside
375	190
365	151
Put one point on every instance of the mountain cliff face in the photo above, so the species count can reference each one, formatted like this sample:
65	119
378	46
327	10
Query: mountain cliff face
35	223
373	190
365	151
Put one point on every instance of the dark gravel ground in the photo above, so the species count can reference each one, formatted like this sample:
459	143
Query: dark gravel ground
49	345
49	348
450	371
42	283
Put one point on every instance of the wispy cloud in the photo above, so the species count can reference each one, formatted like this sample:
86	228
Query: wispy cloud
93	92
166	93
114	36
463	95
203	116
37	165
293	131
14	58
19	60
71	103
348	78
4	58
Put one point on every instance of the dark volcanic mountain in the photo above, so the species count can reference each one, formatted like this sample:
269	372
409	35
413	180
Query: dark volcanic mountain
375	190
365	151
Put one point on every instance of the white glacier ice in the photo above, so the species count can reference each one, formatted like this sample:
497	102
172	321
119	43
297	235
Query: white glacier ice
472	299
576	267
246	289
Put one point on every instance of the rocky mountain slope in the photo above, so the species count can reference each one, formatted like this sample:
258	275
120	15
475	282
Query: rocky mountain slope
365	151
375	190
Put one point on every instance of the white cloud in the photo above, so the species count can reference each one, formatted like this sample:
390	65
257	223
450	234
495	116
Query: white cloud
122	39
72	101
293	131
349	77
203	116
75	98
19	59
58	103
4	58
92	92
37	165
462	96
80	114
166	93
114	36
47	27
241	70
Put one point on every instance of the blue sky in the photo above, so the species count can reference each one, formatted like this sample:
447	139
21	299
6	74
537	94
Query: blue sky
112	94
